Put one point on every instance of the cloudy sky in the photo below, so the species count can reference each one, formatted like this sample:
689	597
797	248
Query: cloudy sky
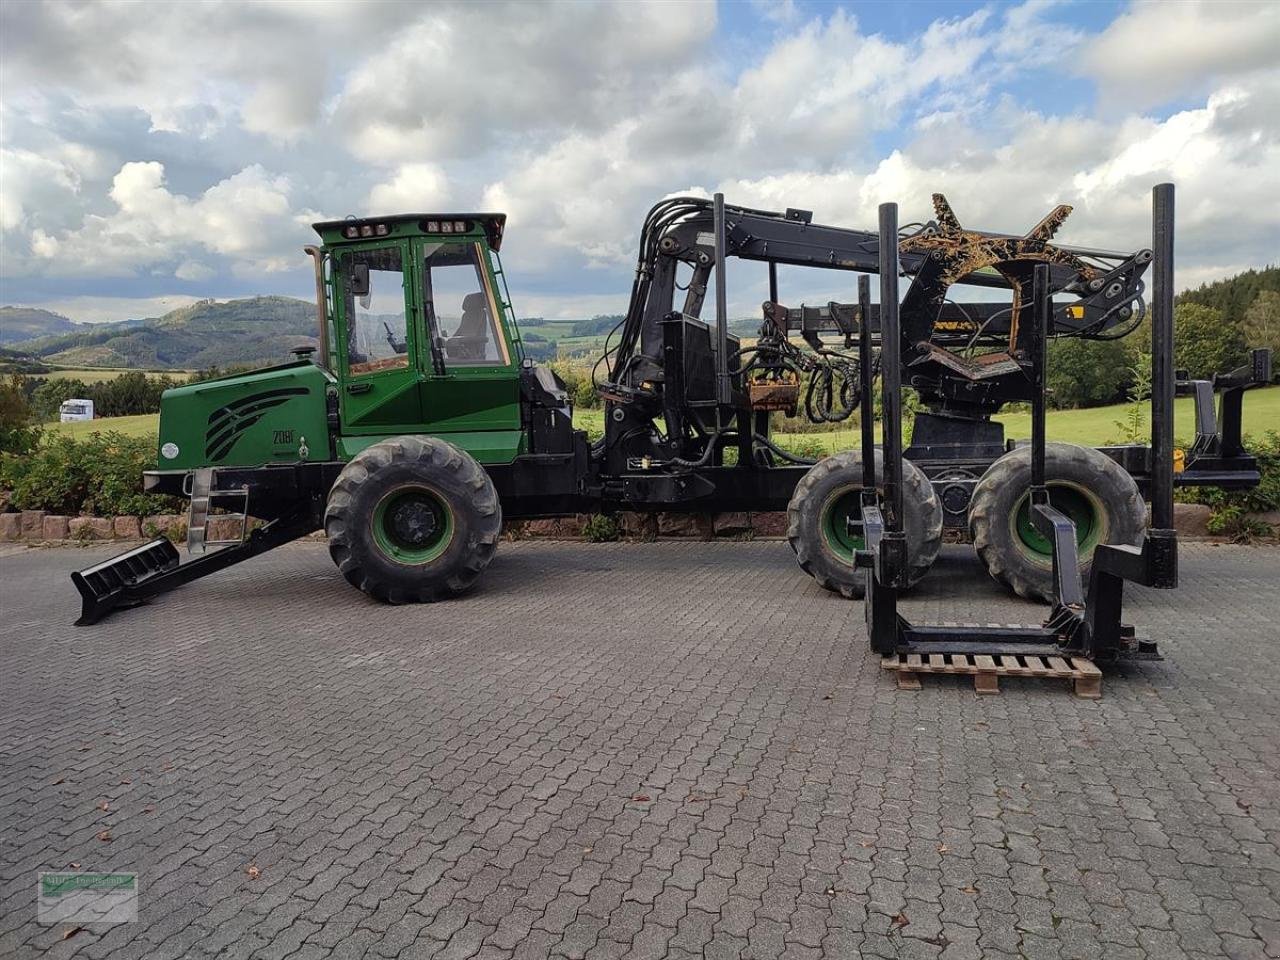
155	153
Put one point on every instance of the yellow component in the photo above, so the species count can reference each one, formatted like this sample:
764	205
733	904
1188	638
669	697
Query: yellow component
1076	311
1179	460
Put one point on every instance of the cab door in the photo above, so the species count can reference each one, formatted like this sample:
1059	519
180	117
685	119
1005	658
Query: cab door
471	364
379	355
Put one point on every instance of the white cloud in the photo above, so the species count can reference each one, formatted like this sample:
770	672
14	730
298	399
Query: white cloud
579	195
804	117
415	187
192	68
243	217
96	309
261	115
529	70
1156	51
28	181
776	11
194	270
1227	181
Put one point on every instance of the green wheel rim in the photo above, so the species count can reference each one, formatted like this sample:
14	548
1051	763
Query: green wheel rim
1078	504
840	507
412	525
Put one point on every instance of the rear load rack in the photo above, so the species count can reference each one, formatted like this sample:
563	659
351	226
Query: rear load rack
1080	625
1218	457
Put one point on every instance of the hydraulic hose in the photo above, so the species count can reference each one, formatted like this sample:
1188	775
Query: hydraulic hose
713	442
784	454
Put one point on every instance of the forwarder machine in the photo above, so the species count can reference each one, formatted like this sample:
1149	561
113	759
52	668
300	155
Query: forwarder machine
419	425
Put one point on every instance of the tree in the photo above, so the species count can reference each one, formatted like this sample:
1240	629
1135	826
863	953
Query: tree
1087	373
48	397
1233	295
1261	327
1204	343
18	431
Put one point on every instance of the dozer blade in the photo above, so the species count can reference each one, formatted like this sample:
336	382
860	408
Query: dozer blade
115	582
152	569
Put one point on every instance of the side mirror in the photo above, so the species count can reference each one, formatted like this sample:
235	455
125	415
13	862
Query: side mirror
358	280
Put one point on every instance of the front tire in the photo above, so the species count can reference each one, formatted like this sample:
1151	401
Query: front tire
830	493
1084	483
413	520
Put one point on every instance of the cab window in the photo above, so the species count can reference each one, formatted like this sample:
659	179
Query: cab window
377	328
459	306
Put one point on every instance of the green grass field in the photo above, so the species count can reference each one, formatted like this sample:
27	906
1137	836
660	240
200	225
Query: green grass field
1097	426
99	374
1091	427
145	425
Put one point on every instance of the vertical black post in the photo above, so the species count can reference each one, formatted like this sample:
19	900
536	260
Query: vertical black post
1162	372
1041	305
890	367
722	308
760	419
866	398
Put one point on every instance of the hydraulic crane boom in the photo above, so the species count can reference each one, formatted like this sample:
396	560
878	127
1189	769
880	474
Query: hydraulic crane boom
939	335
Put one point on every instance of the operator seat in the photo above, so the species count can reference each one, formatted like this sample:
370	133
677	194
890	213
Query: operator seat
471	337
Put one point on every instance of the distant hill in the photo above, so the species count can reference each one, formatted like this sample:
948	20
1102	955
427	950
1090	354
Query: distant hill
1233	296
17	361
205	334
263	329
597	326
26	323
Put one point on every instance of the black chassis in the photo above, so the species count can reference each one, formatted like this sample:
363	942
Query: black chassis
563	475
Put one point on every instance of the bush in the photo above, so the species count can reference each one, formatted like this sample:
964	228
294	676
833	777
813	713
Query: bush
1231	508
100	475
601	528
577	383
176	532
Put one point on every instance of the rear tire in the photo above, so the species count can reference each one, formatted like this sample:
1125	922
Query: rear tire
1085	484
828	493
412	520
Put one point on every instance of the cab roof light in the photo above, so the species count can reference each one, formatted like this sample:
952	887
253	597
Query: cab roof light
358	230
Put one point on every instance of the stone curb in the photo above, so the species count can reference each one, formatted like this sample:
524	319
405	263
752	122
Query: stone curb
39	527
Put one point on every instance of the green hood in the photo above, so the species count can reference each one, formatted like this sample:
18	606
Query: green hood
274	415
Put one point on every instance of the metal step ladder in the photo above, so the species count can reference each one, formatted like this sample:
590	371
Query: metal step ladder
202	500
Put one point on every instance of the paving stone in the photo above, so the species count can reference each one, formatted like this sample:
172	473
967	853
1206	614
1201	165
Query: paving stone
504	776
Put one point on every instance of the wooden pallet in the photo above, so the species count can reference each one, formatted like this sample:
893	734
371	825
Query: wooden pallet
987	670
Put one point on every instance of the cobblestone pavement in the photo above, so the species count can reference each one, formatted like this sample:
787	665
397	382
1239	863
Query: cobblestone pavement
674	749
